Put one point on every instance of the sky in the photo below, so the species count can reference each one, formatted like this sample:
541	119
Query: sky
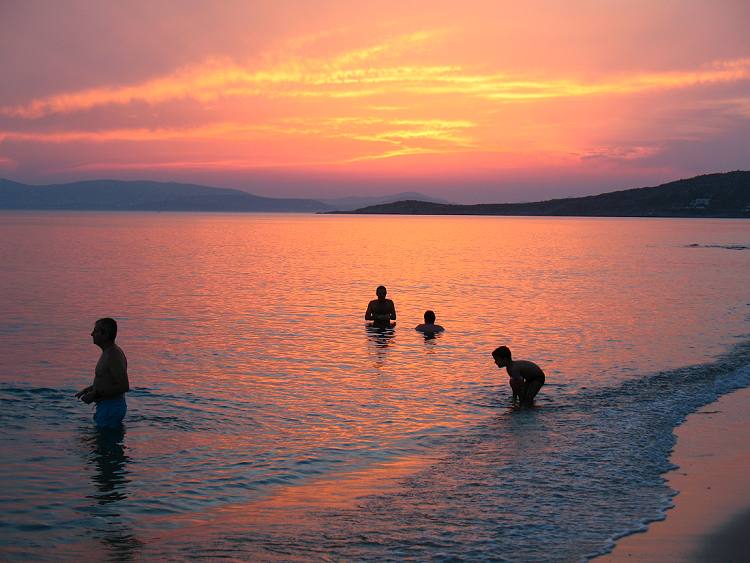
468	101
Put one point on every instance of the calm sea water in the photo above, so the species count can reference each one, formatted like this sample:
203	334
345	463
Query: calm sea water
267	423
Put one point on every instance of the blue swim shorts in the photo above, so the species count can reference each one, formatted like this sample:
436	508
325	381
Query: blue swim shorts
110	412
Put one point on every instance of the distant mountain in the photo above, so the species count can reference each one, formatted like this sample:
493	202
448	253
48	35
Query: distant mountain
354	202
116	195
711	195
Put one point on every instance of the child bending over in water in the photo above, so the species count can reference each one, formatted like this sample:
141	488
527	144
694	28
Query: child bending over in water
526	378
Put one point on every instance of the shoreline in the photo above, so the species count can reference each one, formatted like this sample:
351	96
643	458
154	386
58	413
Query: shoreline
710	520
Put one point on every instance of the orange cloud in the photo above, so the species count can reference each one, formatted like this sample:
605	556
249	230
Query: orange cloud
6	162
374	129
620	153
388	102
378	70
226	131
226	164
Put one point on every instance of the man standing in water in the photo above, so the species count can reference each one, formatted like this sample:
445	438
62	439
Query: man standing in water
110	377
381	310
526	378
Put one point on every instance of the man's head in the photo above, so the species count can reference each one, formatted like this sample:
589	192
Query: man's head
429	317
502	356
105	331
381	291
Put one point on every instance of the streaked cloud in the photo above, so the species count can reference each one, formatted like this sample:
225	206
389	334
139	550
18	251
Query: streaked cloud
6	162
366	73
381	130
621	153
490	91
227	164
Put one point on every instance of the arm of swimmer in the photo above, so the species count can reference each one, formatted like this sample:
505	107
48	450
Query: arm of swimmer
84	391
517	383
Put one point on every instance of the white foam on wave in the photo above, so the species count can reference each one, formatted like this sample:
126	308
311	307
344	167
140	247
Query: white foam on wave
722	384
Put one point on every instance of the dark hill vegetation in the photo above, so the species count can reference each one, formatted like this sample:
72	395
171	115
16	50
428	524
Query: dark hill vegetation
712	195
116	195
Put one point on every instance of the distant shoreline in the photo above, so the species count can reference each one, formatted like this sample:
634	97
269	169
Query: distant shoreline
539	215
352	213
723	195
716	196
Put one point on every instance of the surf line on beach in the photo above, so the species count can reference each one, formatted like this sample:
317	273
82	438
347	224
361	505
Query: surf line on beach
676	395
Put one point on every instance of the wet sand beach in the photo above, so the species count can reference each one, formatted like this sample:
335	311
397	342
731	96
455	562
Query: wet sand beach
711	518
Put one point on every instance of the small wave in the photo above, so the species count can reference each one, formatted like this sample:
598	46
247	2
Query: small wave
13	390
690	389
31	390
581	475
724	246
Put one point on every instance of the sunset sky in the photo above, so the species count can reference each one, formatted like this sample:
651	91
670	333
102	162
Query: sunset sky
470	101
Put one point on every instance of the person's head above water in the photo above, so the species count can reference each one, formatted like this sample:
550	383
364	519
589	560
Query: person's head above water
429	326
381	291
502	353
105	331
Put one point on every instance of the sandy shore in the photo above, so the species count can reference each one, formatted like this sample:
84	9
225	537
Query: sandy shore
711	518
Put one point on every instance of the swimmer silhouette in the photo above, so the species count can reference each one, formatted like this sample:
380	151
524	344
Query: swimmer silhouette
525	377
381	310
110	377
429	325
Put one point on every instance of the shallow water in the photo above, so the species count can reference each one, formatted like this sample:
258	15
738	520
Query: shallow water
266	421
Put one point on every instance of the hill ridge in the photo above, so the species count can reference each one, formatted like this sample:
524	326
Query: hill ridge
720	194
144	195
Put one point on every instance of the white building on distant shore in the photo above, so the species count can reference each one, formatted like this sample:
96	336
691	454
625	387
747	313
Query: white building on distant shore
700	203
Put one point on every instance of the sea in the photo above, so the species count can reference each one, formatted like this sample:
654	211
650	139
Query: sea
267	422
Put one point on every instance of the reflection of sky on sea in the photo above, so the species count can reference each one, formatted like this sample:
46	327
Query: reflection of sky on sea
259	398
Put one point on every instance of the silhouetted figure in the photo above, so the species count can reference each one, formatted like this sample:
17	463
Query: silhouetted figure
381	310
526	378
429	324
110	377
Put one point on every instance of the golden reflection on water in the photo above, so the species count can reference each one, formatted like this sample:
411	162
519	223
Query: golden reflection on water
250	357
343	490
212	302
269	309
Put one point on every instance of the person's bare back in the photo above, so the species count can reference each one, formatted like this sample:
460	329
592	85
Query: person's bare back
111	373
526	378
525	369
429	323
